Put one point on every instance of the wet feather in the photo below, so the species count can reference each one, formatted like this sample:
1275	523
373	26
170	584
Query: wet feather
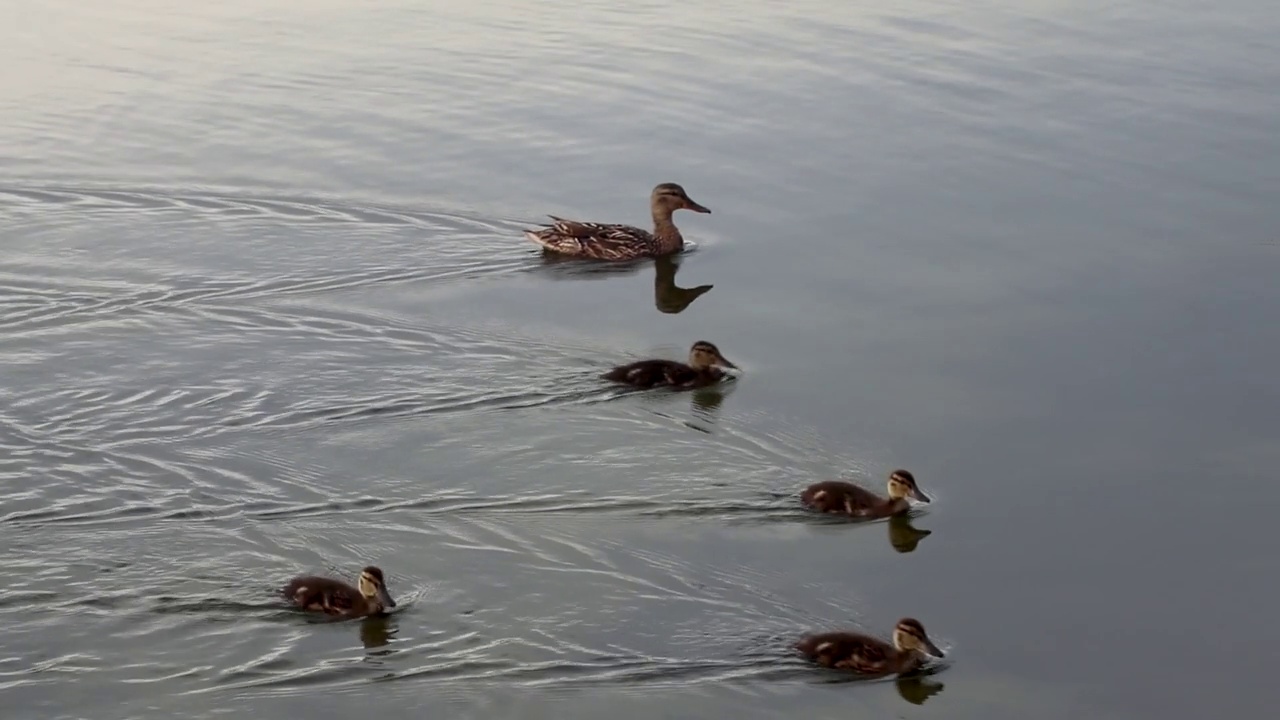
614	242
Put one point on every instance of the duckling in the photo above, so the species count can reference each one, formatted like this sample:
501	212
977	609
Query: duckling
871	656
335	597
621	242
845	498
703	369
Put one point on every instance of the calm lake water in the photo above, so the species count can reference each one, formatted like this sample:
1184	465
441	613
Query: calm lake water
265	309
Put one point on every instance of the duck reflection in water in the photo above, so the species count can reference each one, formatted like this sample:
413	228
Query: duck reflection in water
376	632
917	689
706	401
903	536
667	297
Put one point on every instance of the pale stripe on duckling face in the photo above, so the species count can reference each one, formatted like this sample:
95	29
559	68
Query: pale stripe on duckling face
704	355
910	635
902	484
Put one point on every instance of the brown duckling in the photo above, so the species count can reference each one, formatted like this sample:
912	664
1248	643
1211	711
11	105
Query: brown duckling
621	242
867	655
335	597
703	368
845	498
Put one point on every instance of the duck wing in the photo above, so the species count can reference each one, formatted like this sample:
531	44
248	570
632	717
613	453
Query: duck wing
655	373
838	496
322	594
849	651
596	240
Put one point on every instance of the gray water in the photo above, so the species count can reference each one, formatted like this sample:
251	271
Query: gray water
266	309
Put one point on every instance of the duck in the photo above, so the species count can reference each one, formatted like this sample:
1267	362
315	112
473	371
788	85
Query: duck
867	655
335	597
844	498
703	369
621	242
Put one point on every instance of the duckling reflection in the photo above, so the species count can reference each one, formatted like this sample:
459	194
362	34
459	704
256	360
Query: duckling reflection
667	297
706	401
376	632
903	536
334	597
916	689
706	404
866	655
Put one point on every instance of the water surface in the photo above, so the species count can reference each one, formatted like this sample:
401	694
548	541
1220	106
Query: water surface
266	309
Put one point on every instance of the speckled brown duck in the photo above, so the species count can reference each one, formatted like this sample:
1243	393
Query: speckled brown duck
337	598
703	369
871	656
844	498
621	242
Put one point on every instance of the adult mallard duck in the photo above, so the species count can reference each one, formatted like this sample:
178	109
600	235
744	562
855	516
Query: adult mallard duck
866	655
621	242
335	597
702	369
845	498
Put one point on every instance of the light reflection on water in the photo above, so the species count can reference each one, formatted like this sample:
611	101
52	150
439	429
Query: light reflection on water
266	310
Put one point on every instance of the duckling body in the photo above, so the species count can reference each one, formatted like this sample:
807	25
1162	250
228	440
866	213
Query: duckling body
621	242
868	655
331	596
844	498
703	368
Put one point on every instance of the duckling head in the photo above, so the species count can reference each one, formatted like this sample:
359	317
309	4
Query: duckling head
909	636
669	197
374	587
902	484
704	355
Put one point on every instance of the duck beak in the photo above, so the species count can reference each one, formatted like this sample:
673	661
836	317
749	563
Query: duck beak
690	204
931	648
385	598
918	494
722	361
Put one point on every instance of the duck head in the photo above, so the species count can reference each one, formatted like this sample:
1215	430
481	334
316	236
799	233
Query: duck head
902	484
374	588
670	197
909	636
703	355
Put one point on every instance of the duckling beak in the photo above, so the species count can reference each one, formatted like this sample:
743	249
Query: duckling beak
918	494
385	598
931	648
690	204
724	362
